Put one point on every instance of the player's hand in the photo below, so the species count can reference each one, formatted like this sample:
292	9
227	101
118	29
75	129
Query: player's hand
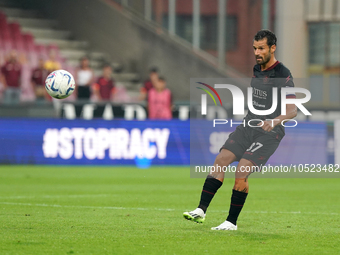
267	125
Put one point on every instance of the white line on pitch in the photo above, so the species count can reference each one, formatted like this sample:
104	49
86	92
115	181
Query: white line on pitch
58	196
146	209
89	207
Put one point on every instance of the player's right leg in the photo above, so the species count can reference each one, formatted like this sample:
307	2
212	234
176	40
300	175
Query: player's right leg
212	183
250	162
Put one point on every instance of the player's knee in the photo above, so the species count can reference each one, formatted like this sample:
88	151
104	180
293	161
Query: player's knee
222	160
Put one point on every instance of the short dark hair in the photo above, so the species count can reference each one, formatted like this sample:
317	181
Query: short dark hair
153	70
265	33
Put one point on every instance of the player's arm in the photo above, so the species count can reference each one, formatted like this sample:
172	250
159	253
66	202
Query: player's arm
96	88
3	78
113	89
291	109
143	94
113	92
291	112
3	81
92	79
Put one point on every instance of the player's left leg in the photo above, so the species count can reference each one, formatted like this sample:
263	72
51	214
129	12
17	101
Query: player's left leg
231	151
211	185
239	195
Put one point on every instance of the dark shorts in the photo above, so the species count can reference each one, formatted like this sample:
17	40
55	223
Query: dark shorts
84	92
250	144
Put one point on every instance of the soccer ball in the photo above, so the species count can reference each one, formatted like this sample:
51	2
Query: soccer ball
60	84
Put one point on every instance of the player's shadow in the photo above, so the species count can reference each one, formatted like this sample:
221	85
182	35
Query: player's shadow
257	236
246	234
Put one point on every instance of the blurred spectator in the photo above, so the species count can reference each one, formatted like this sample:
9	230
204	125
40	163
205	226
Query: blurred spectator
104	89
84	79
149	83
11	79
52	63
39	75
160	101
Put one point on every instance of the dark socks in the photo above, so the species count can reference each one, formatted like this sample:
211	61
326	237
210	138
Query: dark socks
210	187
237	201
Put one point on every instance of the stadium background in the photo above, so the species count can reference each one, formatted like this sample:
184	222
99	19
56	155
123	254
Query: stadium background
184	39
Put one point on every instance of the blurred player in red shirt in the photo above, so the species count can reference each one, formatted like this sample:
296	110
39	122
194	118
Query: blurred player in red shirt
149	83
39	75
11	79
104	89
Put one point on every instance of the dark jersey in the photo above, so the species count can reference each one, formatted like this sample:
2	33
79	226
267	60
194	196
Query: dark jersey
263	83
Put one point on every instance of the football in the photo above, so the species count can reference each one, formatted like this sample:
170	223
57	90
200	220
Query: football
60	84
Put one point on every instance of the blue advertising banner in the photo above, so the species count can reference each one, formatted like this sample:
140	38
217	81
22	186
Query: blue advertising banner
141	143
95	142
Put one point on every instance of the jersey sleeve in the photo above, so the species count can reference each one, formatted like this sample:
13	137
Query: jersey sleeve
96	85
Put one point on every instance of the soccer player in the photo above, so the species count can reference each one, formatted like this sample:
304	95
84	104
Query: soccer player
251	146
105	87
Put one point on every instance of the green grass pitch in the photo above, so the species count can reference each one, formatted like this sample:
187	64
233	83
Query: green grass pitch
125	210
